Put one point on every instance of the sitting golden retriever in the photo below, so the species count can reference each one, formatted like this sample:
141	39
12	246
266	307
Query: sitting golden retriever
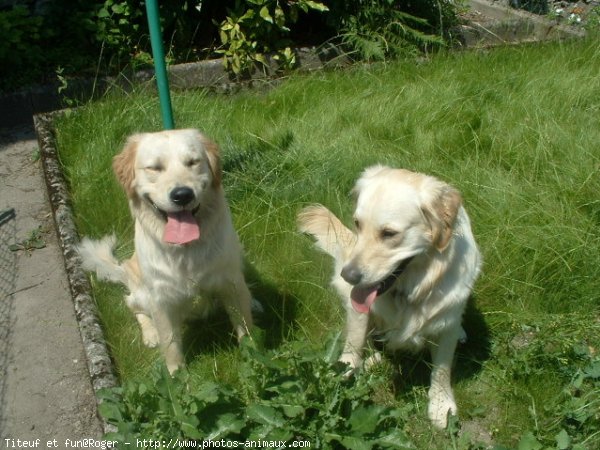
407	271
187	254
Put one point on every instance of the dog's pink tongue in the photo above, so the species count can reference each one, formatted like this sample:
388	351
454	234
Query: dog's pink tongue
363	298
181	228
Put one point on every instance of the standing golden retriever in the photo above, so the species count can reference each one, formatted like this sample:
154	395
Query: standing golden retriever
187	253
406	273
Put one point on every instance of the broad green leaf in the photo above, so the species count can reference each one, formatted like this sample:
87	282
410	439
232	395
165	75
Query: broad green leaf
364	419
208	392
266	415
103	12
395	439
110	411
264	13
529	442
292	411
356	443
226	425
37	243
316	6
248	15
333	350
563	441
593	371
191	431
118	8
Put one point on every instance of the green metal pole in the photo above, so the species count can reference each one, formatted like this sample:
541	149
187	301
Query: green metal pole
160	69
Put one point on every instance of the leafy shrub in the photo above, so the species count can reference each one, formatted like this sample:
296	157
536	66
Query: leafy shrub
19	46
256	27
35	43
375	30
290	394
104	36
119	25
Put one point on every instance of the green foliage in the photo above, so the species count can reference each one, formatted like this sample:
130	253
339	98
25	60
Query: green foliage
576	414
121	26
19	31
289	394
376	30
254	28
106	36
593	21
19	45
118	25
34	241
580	401
34	43
87	37
557	349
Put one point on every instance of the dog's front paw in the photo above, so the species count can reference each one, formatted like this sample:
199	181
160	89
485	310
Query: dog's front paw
150	338
352	360
440	406
373	360
149	333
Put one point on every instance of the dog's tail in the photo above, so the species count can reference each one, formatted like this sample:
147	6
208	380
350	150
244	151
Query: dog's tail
98	256
332	235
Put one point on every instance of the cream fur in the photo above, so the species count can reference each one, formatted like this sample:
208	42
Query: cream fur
401	214
166	280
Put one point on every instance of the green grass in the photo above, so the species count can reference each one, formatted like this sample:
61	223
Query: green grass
516	130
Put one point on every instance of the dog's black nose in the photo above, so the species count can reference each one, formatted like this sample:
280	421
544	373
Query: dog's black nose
181	196
351	274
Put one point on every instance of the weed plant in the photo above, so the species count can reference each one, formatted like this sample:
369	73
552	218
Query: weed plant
514	129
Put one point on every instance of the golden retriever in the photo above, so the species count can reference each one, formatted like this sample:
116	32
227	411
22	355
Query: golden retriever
407	271
187	254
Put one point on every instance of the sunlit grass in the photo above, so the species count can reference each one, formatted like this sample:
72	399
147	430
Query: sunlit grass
516	130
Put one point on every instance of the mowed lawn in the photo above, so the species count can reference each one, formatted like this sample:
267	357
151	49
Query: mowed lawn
516	130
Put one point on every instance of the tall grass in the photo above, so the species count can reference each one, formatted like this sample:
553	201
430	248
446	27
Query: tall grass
516	130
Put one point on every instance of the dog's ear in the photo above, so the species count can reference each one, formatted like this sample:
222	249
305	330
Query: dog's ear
214	159
124	165
441	211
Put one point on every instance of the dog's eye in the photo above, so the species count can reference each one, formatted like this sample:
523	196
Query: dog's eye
357	224
155	168
193	162
388	233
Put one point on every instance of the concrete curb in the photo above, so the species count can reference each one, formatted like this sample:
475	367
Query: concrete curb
99	362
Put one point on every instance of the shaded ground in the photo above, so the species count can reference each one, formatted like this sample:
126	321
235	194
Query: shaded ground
45	389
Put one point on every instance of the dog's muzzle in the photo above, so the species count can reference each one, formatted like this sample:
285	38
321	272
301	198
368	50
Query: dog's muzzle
386	284
182	196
